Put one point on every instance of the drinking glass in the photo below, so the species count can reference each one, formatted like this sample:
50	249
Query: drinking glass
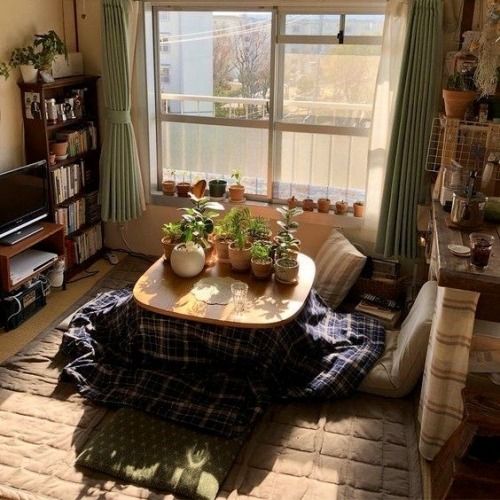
239	292
480	249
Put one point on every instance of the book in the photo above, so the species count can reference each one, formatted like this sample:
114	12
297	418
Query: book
388	317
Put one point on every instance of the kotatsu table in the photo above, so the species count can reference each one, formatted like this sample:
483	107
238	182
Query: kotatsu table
270	304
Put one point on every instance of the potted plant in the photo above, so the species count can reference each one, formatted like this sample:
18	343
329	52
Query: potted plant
47	47
236	191
261	262
222	240
292	202
308	205
258	229
341	207
217	188
168	185
183	188
287	223
458	96
239	249
187	259
359	209
172	235
27	61
324	205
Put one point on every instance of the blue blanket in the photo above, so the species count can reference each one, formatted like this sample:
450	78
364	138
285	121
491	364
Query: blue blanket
216	379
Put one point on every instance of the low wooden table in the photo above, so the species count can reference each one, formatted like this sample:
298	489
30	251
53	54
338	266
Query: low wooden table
270	303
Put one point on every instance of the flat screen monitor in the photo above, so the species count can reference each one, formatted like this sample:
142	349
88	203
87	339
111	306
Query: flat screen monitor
24	200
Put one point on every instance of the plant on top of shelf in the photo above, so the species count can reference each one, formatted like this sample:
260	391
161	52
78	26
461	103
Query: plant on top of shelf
239	249
236	191
261	262
458	95
287	246
48	45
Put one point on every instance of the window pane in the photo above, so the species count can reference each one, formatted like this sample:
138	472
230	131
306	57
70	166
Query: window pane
330	84
320	165
364	25
213	151
312	24
219	63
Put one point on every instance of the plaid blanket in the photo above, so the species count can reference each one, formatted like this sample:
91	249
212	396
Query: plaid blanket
214	378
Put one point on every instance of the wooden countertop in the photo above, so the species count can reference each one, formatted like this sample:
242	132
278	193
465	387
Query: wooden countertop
270	303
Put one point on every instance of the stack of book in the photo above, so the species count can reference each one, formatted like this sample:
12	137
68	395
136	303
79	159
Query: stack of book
81	247
79	140
387	312
68	181
92	208
71	215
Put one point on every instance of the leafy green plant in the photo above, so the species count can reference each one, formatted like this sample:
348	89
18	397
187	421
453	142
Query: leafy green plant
457	81
24	55
286	245
236	175
261	251
287	222
172	231
258	228
197	221
238	220
48	45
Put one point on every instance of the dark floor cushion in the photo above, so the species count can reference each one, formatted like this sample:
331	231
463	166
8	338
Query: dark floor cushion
142	449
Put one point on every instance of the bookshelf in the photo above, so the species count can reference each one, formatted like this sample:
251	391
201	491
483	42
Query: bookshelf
74	180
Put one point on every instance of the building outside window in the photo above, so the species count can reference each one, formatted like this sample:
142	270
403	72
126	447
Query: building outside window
285	98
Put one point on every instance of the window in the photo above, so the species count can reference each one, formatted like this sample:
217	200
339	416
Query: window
286	98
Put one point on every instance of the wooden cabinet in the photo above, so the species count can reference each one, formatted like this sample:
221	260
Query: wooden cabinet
67	110
49	239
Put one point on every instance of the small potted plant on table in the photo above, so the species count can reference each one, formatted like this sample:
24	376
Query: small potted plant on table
172	235
222	240
262	264
258	229
236	191
239	249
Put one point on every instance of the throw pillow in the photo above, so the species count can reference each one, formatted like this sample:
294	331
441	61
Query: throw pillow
338	266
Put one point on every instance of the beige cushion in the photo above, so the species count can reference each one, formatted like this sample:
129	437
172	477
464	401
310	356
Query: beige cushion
398	370
338	266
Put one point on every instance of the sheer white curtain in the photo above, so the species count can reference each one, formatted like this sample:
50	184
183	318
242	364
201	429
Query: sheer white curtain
383	111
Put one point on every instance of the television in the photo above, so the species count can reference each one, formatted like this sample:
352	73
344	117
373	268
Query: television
24	200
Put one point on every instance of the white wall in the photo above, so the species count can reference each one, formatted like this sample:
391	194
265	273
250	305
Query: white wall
19	20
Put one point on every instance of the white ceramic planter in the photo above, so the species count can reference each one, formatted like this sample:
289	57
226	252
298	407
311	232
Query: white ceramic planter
29	73
187	262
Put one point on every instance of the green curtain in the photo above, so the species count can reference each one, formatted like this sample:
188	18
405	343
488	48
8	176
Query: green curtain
121	190
415	107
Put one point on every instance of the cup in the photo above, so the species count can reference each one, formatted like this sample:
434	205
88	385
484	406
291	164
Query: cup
480	249
239	292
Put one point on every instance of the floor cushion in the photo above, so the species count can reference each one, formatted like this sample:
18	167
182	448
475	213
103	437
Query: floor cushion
398	370
338	266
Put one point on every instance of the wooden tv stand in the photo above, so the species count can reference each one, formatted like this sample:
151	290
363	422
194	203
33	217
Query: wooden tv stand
50	239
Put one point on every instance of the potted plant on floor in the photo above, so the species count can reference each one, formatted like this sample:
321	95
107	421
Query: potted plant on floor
217	188
168	185
172	235
239	249
261	262
458	96
236	191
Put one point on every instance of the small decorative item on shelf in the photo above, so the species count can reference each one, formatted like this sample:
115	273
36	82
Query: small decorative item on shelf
286	247
308	205
324	205
236	191
168	185
458	96
217	188
172	236
262	264
358	209
239	249
341	207
292	202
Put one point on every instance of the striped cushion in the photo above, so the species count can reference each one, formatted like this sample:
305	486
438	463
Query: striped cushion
338	266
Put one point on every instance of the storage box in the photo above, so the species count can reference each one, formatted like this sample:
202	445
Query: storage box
22	304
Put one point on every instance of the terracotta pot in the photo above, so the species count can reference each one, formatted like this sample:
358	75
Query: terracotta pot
359	210
308	205
262	270
324	205
168	246
168	187
292	202
286	270
240	259
341	207
183	188
222	248
236	192
187	264
456	102
60	148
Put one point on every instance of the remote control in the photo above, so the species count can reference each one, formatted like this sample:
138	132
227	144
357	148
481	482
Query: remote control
379	301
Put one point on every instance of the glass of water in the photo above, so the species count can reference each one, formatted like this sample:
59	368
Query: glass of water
239	292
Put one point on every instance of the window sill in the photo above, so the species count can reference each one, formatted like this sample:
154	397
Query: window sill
265	209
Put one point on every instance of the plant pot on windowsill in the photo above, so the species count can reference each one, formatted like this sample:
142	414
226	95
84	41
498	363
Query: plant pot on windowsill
456	102
308	205
168	187
187	259
262	269
240	257
286	270
292	202
217	188
341	207
183	188
236	193
358	209
324	205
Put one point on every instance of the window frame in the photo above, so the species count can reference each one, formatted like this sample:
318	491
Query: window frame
279	39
